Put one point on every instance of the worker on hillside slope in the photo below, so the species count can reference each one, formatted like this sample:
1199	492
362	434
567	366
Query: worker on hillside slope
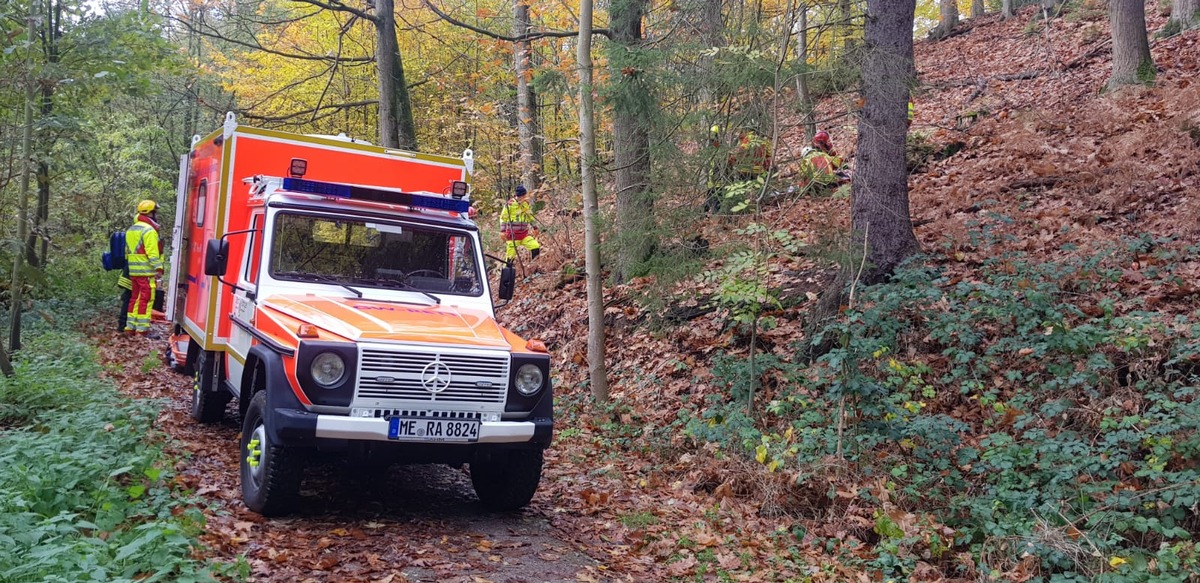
143	255
751	157
718	170
822	166
516	226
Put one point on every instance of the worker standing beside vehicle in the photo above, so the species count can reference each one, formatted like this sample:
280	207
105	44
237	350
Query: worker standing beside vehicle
143	255
516	224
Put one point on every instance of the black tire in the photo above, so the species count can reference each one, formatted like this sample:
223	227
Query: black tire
208	398
193	353
270	473
507	480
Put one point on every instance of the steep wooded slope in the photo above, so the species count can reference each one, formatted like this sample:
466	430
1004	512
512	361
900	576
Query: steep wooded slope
1044	164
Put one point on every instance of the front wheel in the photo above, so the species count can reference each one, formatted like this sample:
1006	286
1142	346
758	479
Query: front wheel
208	398
270	473
507	480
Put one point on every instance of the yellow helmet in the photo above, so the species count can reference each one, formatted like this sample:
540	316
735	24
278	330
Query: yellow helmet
146	207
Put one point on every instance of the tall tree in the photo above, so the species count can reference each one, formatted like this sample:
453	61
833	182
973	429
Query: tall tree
802	79
49	31
526	102
17	284
1006	9
633	112
879	192
396	126
597	369
1130	47
947	19
248	29
977	9
1185	13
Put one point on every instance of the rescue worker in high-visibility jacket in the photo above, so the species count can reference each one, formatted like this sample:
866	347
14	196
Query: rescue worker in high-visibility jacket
751	156
822	166
143	255
516	226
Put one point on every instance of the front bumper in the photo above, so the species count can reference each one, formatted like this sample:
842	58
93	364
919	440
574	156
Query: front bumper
302	427
356	428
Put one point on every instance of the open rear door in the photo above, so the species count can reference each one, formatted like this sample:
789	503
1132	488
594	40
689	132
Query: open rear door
177	239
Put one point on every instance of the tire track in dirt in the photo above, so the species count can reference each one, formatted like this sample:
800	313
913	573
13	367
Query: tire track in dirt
408	524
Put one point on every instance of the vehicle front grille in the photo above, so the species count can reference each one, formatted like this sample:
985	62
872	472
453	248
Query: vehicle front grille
474	377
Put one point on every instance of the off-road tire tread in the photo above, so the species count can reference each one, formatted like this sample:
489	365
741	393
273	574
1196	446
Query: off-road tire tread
284	469
208	406
507	481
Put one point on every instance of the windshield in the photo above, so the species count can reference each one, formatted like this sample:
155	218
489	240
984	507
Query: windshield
368	254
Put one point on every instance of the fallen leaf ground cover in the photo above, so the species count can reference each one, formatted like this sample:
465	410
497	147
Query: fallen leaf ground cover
1021	406
1070	210
414	523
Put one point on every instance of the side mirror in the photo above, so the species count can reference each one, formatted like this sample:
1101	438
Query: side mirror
508	282
216	257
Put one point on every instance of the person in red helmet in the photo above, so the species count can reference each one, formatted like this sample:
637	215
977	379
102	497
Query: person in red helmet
823	167
822	142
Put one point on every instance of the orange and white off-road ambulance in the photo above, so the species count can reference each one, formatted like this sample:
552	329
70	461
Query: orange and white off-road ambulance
338	290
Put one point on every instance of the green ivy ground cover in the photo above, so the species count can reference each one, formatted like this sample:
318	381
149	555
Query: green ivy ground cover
85	490
1028	419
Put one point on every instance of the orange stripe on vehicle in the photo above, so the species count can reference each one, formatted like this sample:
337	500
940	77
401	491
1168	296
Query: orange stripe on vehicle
289	369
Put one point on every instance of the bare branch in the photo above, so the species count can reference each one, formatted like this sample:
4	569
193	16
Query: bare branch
336	107
512	39
340	7
210	32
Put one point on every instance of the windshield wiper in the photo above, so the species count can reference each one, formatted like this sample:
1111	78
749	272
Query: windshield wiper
301	275
397	284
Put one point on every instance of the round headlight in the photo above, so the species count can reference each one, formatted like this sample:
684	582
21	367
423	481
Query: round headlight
529	379
328	369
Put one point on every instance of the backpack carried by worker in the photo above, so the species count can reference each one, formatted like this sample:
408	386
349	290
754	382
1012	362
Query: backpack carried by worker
114	258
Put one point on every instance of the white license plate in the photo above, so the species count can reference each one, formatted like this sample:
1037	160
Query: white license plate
410	429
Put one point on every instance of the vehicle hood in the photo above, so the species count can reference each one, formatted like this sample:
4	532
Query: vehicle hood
366	320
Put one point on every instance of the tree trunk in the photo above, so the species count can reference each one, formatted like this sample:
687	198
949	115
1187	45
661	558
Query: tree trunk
597	369
977	9
1130	47
526	121
632	115
51	32
846	26
879	193
1185	13
711	36
396	128
947	18
802	92
16	284
1006	9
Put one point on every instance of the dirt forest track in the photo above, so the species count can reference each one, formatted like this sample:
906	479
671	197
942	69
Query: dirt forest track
412	524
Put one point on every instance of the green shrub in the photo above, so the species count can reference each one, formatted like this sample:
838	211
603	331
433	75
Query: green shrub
1029	407
84	494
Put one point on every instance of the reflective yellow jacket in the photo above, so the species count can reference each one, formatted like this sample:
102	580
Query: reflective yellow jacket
516	211
142	250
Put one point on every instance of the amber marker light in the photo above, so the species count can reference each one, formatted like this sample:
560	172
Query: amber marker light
298	168
307	331
536	346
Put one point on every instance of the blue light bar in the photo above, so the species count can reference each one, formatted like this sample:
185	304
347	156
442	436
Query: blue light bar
313	187
334	189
